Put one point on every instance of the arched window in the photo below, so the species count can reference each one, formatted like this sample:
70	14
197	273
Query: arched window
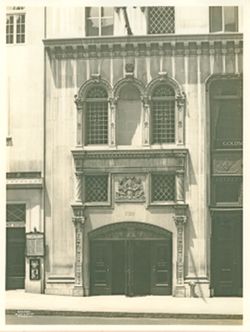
163	114
96	116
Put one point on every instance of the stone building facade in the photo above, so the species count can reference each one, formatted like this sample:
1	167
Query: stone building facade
136	187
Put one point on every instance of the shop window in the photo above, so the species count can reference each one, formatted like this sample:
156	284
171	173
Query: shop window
223	19
97	116
15	25
99	21
129	116
162	187
163	114
96	188
161	20
228	190
226	113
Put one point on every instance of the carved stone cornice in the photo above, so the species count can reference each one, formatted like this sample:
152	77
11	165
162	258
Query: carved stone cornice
179	45
81	154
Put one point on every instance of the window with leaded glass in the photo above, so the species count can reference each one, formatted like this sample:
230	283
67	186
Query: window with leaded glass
96	188
162	187
161	20
223	19
97	116
163	114
15	25
99	21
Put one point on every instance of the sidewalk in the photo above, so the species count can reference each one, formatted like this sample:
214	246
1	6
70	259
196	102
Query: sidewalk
18	301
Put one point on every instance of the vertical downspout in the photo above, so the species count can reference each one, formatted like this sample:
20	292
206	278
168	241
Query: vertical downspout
44	144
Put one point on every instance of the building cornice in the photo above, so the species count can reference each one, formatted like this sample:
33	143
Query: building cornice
149	45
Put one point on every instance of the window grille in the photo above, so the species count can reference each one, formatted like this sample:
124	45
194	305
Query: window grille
15	212
163	115
96	188
97	116
163	187
15	26
161	20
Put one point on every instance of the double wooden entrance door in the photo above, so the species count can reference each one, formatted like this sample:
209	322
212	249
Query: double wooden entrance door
131	267
227	254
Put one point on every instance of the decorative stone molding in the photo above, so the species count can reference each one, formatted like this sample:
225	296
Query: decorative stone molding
128	80
180	221
112	121
130	188
129	230
78	187
184	45
23	180
78	220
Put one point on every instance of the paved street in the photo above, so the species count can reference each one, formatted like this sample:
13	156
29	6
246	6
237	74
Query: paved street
43	320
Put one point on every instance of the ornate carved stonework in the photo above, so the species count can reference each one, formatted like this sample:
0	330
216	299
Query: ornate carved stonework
180	221
78	220
143	46
130	188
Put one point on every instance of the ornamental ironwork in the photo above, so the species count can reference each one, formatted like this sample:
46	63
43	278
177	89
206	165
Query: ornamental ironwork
161	20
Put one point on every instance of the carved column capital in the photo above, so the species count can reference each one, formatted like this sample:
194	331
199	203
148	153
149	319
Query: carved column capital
180	220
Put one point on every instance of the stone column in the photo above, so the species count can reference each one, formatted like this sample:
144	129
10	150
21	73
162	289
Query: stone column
146	121
180	189
180	288
180	100
79	129
78	220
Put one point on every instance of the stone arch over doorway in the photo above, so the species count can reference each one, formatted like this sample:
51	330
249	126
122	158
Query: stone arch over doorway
131	258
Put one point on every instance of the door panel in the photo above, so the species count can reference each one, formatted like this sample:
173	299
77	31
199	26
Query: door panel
118	267
227	255
101	268
161	273
15	258
141	267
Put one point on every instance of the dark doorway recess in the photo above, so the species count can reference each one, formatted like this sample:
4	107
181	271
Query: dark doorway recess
227	254
15	258
131	259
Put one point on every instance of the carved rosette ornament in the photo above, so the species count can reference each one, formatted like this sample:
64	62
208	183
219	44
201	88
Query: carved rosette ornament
78	220
180	221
